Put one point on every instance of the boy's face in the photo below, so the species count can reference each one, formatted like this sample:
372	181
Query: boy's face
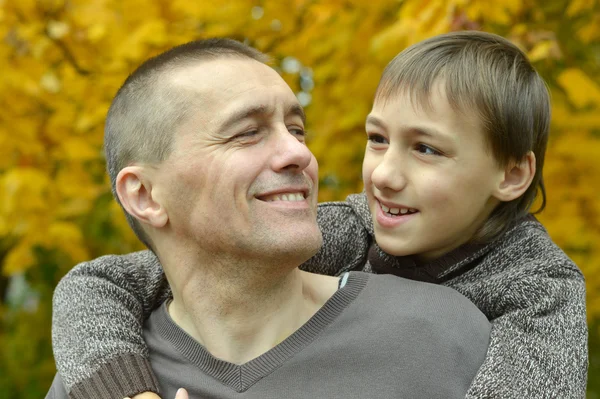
429	175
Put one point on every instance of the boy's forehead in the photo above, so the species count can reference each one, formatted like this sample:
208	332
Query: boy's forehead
432	103
432	116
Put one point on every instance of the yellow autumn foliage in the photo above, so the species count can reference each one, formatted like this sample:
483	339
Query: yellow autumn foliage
62	62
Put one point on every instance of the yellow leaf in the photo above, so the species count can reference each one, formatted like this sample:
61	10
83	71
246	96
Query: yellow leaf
590	31
79	149
540	51
581	90
67	238
96	32
577	6
18	259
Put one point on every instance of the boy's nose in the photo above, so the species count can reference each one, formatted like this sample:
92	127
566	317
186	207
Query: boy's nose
389	174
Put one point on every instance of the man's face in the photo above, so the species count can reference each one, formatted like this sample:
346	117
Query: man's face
429	176
240	180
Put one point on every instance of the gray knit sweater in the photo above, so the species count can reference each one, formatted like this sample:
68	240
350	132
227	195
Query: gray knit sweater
533	294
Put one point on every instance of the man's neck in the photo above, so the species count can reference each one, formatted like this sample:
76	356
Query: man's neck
238	319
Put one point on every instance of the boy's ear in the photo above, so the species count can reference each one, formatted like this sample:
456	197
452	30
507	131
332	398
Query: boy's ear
134	189
517	178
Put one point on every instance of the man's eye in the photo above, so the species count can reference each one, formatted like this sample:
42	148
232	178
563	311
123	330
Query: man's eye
376	139
427	150
298	131
248	134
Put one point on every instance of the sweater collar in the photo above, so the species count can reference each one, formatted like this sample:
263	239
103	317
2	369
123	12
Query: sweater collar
438	270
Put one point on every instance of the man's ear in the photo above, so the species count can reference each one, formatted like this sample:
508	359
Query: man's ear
517	178
134	189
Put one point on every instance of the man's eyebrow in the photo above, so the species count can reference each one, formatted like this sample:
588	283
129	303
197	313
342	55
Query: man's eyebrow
244	113
296	109
258	110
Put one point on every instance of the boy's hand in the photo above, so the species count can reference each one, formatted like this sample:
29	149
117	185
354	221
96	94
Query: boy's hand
181	394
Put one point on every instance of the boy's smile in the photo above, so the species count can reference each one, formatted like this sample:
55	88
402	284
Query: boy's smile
392	215
429	175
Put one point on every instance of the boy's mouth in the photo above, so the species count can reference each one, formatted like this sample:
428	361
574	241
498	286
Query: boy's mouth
400	211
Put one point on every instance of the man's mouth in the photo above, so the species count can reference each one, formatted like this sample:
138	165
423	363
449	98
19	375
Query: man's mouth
397	211
289	197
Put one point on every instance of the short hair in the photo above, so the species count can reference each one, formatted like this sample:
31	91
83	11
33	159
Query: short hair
148	109
486	74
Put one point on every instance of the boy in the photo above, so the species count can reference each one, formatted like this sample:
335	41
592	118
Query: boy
456	143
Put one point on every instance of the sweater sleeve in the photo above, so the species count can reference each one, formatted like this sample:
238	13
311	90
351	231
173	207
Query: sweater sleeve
538	345
98	312
345	240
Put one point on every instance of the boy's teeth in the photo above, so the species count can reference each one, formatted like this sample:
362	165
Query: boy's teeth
396	211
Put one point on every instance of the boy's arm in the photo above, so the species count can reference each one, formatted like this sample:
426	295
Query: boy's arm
345	240
98	312
538	347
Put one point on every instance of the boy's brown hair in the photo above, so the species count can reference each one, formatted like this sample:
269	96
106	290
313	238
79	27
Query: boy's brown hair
484	73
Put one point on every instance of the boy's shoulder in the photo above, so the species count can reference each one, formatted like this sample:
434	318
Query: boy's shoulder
526	256
528	241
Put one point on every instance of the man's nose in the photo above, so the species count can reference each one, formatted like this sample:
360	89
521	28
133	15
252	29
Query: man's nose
290	152
390	174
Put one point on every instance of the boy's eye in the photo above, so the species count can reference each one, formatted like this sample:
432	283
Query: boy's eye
427	150
376	138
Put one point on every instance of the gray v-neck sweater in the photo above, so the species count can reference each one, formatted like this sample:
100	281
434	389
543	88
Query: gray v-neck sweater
374	338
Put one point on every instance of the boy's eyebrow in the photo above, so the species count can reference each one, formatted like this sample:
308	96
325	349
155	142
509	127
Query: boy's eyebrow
426	131
418	130
373	120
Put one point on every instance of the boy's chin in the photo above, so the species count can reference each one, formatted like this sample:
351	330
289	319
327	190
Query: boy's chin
395	249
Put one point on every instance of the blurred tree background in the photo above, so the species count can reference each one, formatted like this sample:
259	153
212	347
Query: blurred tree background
63	60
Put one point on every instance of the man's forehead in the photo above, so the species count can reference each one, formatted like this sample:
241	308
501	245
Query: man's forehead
225	71
228	90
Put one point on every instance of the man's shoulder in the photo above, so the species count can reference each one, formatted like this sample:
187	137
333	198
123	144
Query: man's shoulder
401	288
437	322
400	297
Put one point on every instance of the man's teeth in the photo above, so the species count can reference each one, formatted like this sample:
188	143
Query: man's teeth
285	197
396	211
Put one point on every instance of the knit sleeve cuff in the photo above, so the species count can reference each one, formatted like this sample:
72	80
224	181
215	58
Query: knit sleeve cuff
122	376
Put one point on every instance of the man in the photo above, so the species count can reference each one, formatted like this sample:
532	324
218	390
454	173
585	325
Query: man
206	152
